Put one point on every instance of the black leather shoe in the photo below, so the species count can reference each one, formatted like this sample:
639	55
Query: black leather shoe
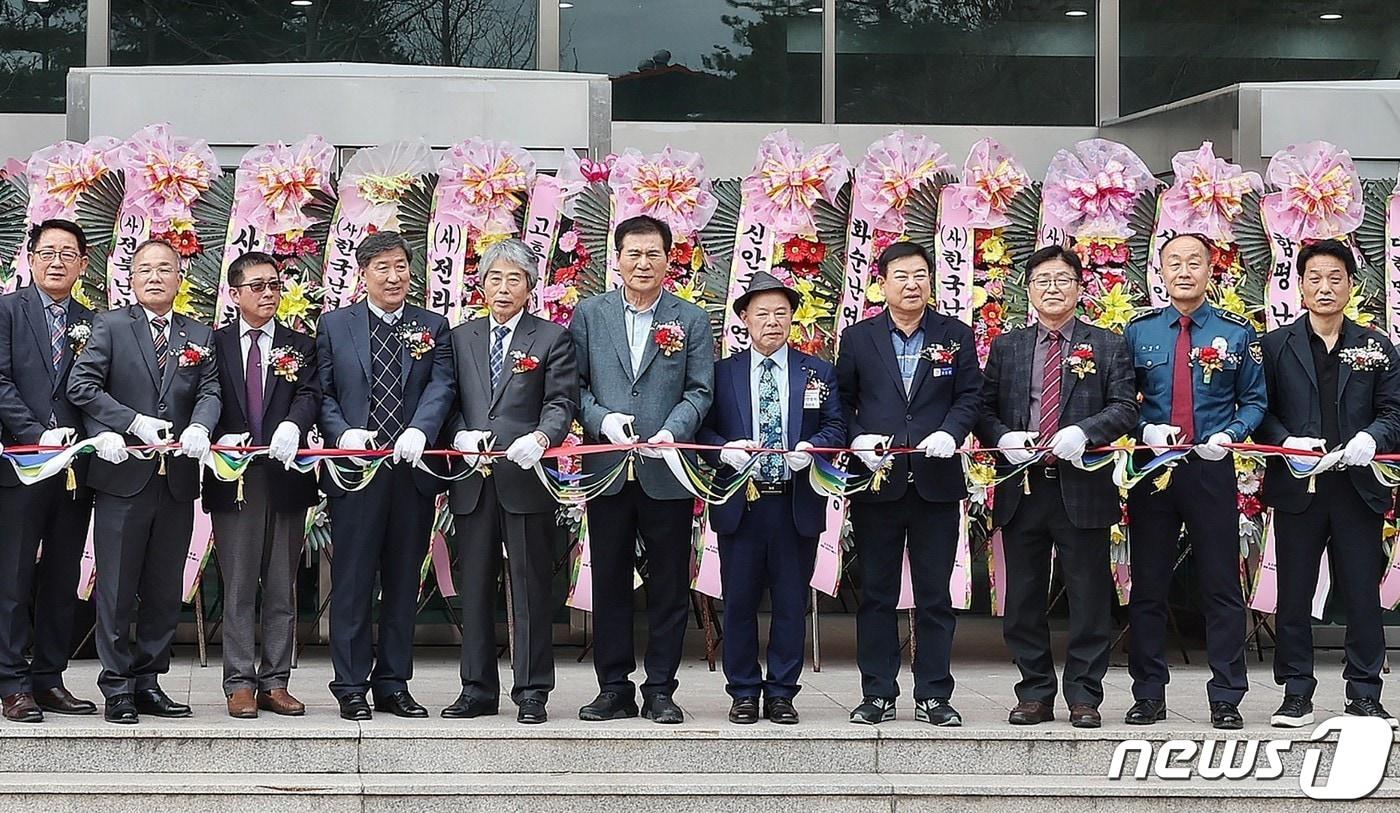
780	711
1226	716
121	708
744	710
531	712
1146	712
59	701
465	708
660	708
608	706
157	703
355	707
400	704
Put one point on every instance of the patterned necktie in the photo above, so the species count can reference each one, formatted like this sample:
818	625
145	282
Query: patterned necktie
161	343
770	424
386	385
1183	408
58	324
253	378
498	354
1050	390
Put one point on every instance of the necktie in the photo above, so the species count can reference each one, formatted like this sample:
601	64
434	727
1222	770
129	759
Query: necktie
498	354
161	343
1050	389
253	378
58	319
1183	409
770	424
386	385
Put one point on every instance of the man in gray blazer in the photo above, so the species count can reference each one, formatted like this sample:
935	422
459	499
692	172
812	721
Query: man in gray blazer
146	373
646	367
517	391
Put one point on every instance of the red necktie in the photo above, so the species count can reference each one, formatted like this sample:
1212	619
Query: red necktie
1183	408
1050	391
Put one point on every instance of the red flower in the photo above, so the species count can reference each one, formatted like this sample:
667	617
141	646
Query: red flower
1209	355
1112	278
799	251
186	243
566	275
682	253
1250	506
993	331
992	312
1084	353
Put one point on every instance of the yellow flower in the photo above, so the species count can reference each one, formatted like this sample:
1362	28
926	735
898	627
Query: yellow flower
178	225
697	258
1231	301
1116	309
81	295
1354	313
570	296
875	293
996	272
811	307
778	254
982	475
183	305
486	241
294	305
994	251
979	296
689	292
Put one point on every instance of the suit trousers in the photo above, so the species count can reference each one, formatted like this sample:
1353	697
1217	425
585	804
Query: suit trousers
614	524
258	546
1202	494
530	541
1040	523
140	543
45	517
881	530
381	530
765	552
1340	522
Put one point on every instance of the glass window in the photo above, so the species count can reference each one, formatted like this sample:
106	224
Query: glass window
699	60
1171	51
965	62
39	42
466	33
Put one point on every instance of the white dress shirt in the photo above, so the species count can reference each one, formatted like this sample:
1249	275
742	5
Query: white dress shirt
264	337
780	377
391	317
169	321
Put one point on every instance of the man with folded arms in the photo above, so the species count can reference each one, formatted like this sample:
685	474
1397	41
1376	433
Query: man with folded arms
146	377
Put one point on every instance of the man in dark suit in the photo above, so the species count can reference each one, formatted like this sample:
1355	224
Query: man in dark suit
386	375
1065	385
41	327
268	374
145	373
908	379
646	368
1332	385
517	380
769	396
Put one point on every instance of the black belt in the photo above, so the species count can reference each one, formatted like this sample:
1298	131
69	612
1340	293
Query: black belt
772	489
1048	472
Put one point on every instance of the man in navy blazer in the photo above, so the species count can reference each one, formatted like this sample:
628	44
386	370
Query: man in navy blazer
909	380
772	397
386	377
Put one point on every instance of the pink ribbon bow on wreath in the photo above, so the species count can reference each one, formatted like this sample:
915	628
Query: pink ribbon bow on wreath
892	169
1320	192
283	180
1208	193
1093	189
787	182
991	178
165	174
481	184
670	186
59	174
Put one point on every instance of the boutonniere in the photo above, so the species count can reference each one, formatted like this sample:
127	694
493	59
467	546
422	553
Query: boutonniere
78	335
1364	359
670	337
523	363
1214	358
1080	360
286	363
939	354
193	355
418	339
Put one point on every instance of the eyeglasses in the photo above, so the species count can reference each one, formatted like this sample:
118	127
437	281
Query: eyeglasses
1046	283
150	271
48	255
258	286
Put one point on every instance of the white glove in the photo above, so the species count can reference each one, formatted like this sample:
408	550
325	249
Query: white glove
194	442
799	458
1360	450
526	451
282	446
1214	447
1014	445
865	445
234	439
1309	444
110	447
1159	434
469	441
617	428
734	455
356	440
938	444
1069	443
409	447
664	436
151	431
62	436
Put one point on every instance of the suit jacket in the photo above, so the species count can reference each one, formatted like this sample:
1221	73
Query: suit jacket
1102	403
33	396
115	378
343	356
544	399
731	418
669	391
1367	400
944	397
297	401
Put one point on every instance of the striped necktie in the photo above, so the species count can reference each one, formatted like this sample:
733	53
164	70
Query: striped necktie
58	324
1050	389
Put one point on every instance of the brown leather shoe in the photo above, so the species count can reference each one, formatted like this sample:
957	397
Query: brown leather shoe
242	705
21	708
1083	715
1031	712
280	701
60	701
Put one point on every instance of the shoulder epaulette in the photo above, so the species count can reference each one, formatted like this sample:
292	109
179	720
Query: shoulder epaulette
1231	316
1147	314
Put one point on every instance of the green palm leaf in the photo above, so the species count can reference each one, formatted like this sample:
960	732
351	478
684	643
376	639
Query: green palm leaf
415	213
12	219
921	215
97	211
1143	221
320	209
1255	252
211	213
832	220
717	238
592	216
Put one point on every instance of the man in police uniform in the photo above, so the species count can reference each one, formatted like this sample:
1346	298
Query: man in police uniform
1201	381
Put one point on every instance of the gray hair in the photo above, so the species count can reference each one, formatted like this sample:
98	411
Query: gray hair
511	251
381	242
